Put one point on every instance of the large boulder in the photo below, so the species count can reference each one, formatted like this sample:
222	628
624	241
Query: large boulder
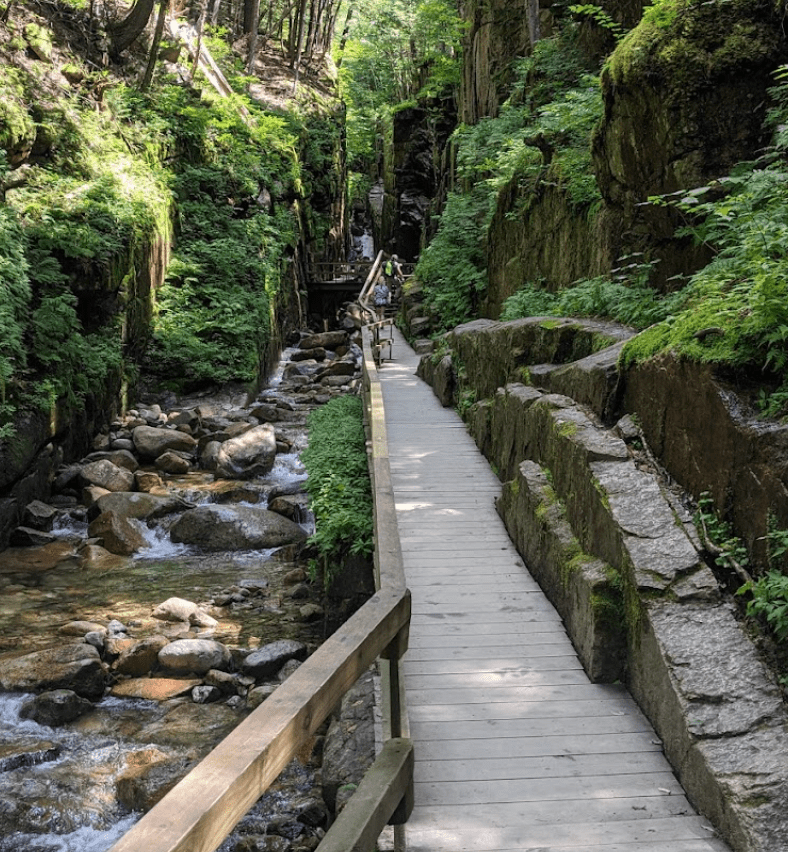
75	666
105	474
324	340
268	660
117	534
141	658
120	457
179	609
194	655
235	528
139	505
56	707
152	441
248	455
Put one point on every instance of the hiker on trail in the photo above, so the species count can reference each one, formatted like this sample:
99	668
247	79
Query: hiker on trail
393	273
381	296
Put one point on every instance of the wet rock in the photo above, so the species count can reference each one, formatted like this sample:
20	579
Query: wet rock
324	340
119	457
194	655
293	506
21	754
141	506
54	708
266	413
115	645
154	688
39	516
94	556
268	660
235	528
206	694
148	482
149	776
80	628
224	681
36	560
311	612
91	495
171	462
27	537
302	369
287	669
74	666
294	577
151	441
316	354
256	696
311	811
96	639
196	727
107	475
249	455
141	658
117	534
122	444
179	609
299	592
209	457
262	843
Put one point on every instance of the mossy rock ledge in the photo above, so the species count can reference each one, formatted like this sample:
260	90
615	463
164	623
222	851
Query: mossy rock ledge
620	562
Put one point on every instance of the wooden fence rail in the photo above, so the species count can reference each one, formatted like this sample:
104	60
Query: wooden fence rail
200	811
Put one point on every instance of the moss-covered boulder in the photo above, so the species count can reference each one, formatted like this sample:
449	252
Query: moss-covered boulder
684	96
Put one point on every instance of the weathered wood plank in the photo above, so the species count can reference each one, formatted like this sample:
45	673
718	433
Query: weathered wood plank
469	652
524	710
428	695
546	766
506	665
197	814
469	832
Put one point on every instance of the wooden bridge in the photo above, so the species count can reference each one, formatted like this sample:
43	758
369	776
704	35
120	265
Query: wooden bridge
496	741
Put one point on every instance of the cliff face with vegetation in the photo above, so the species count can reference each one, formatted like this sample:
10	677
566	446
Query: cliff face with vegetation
162	235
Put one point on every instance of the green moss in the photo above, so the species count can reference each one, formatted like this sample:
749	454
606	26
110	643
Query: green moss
40	40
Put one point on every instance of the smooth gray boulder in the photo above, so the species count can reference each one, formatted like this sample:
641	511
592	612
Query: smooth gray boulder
55	708
139	505
194	655
152	441
248	455
75	666
268	660
107	475
215	527
179	609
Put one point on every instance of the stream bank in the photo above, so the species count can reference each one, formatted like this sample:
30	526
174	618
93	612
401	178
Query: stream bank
140	626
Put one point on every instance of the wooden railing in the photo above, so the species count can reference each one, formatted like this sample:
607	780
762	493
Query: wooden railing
200	811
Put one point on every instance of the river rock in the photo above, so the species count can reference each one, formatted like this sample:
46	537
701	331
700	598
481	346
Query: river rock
317	354
94	556
325	340
268	660
142	506
91	495
28	537
54	708
249	455
209	457
171	462
117	534
206	694
141	658
39	516
80	628
107	475
149	775
75	666
293	506
152	441
148	482
302	369
235	528
119	457
179	609
20	754
194	655
154	688
39	559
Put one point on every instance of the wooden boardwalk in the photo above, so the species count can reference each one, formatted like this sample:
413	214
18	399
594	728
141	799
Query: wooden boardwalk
515	748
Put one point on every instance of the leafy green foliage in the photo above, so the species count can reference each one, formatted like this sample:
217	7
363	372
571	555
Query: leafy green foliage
600	17
719	533
741	296
769	601
338	482
546	111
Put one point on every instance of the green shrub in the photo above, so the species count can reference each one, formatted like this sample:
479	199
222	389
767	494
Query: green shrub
338	482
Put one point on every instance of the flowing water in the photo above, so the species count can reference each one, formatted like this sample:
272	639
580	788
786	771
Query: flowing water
59	785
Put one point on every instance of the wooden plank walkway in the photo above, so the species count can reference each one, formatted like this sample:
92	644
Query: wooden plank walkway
515	748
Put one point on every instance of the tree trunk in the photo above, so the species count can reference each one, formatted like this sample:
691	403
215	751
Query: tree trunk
532	15
255	17
345	33
146	80
128	30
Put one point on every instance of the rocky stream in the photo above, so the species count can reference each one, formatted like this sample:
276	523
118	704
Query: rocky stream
160	595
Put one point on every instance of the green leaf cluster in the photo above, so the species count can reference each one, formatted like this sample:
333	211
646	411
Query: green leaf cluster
554	101
338	482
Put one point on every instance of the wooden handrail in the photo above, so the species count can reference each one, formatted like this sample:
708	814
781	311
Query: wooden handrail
203	808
